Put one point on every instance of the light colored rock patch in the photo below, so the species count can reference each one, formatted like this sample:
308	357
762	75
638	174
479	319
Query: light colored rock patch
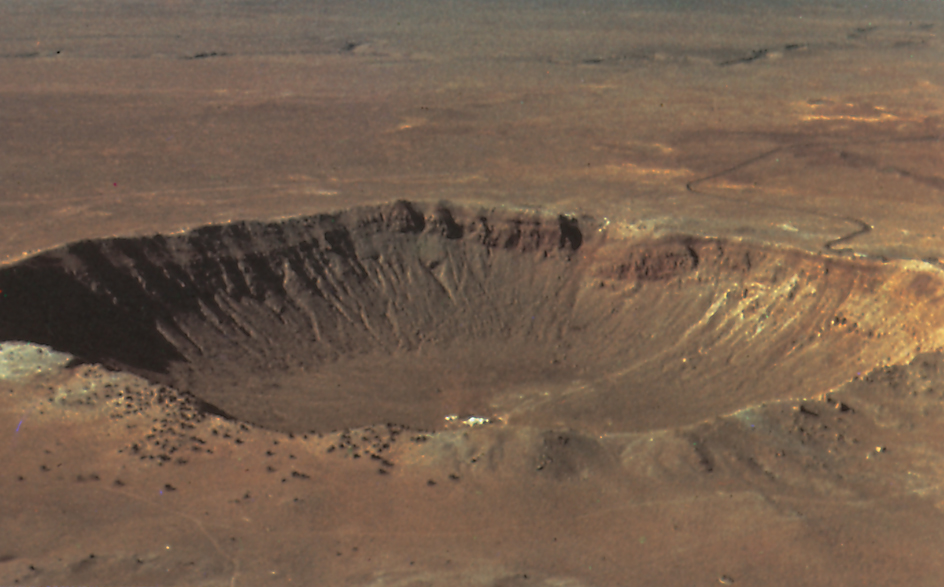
21	360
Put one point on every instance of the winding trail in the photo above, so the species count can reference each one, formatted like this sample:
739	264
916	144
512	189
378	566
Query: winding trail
863	227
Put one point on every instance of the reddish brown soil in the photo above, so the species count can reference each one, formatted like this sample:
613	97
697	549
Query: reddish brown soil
682	265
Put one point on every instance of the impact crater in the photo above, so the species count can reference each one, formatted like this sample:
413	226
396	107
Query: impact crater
410	313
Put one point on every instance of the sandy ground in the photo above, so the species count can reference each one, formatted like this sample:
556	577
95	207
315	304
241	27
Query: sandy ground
814	127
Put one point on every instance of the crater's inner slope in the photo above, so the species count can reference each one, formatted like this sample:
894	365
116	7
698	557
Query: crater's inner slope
406	314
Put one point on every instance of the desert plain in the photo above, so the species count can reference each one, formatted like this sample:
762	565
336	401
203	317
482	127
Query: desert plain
579	294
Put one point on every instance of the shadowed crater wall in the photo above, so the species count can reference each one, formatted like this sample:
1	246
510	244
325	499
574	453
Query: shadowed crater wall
407	313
